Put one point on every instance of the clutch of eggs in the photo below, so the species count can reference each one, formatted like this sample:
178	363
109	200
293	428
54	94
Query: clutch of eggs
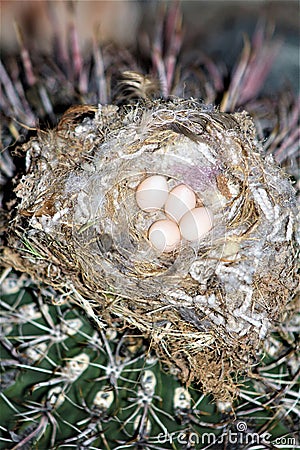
183	219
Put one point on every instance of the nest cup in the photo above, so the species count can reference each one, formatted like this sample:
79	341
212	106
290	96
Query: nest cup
205	306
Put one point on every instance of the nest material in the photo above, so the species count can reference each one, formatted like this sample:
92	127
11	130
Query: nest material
75	225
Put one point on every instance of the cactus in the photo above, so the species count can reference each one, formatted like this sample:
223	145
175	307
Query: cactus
70	382
67	384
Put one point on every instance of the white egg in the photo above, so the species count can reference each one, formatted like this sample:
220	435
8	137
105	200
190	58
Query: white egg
152	193
164	235
196	223
180	200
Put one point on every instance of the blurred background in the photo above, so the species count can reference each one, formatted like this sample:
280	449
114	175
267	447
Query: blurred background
119	20
215	27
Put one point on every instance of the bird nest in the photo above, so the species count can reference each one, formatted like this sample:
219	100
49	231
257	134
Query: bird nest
75	225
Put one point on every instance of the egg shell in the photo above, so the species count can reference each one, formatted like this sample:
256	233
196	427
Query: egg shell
152	193
180	200
164	235
196	223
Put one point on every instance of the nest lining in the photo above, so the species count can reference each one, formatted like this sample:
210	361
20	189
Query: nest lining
75	225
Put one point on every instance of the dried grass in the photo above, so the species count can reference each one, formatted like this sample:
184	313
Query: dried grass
74	225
